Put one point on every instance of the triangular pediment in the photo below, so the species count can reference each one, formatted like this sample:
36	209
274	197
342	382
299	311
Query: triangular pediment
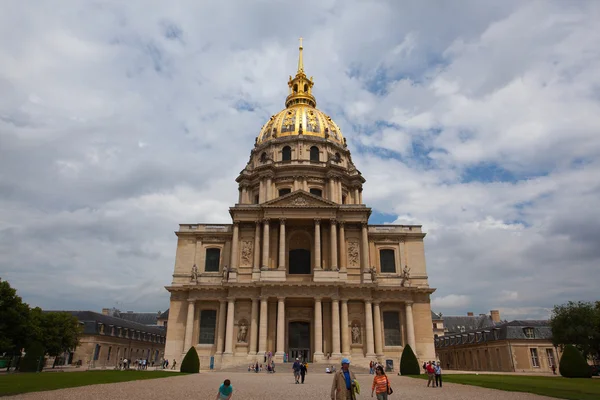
300	198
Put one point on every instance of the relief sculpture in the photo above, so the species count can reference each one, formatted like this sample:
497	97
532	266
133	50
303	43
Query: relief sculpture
353	253
247	252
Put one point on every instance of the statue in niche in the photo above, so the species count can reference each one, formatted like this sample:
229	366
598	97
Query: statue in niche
242	333
194	275
225	273
356	334
373	272
405	276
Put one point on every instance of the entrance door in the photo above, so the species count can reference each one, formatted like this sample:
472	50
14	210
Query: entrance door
299	340
299	261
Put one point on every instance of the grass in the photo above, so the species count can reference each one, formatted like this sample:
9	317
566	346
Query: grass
36	382
562	388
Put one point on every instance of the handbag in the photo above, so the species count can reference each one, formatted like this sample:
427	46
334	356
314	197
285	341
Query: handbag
389	387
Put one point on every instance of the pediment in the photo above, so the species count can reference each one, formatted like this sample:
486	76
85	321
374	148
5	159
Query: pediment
300	199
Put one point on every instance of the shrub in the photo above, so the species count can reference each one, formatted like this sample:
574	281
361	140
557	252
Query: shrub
408	362
573	364
191	362
34	358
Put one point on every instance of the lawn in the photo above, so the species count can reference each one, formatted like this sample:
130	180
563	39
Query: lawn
36	382
563	388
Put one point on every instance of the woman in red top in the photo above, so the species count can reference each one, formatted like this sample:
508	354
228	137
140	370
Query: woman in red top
380	384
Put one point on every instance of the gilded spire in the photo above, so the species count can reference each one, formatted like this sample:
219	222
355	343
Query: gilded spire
300	61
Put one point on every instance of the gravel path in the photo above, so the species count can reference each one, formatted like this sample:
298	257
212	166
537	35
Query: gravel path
251	386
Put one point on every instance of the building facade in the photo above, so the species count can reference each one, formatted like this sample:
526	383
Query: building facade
299	272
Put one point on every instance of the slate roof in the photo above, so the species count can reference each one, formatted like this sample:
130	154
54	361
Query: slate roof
91	321
456	324
140	318
164	315
513	330
435	316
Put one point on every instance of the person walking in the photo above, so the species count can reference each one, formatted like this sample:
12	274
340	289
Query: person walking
296	369
344	382
381	384
430	374
225	390
438	375
302	371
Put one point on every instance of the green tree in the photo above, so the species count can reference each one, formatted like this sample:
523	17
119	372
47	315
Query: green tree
34	358
577	324
408	362
191	362
573	364
60	331
14	320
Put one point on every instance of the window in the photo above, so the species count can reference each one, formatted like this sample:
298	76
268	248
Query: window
387	261
213	257
534	358
286	153
314	153
317	192
391	328
529	333
305	88
109	351
256	199
284	191
550	357
97	352
208	322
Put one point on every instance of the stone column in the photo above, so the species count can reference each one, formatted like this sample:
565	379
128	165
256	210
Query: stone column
264	321
280	326
265	260
189	326
344	328
356	198
261	191
331	190
369	329
364	251
317	243
256	266
333	230
245	194
410	326
282	243
268	189
253	328
221	326
377	320
318	330
240	195
342	245
235	244
305	185
360	196
335	327
340	192
229	329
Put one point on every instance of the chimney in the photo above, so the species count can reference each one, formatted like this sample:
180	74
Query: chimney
469	314
106	311
495	314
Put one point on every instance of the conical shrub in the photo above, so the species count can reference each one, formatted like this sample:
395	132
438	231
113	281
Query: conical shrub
191	362
408	362
573	364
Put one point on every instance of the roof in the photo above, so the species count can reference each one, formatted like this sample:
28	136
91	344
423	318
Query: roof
91	319
456	324
513	330
164	315
435	316
140	318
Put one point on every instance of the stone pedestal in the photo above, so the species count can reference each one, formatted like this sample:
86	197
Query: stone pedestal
272	275
322	275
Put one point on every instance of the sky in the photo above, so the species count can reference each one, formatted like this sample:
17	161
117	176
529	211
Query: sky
479	120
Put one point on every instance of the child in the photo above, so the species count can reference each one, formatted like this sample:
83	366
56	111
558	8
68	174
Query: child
225	390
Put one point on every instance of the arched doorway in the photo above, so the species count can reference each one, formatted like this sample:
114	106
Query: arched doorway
299	255
299	340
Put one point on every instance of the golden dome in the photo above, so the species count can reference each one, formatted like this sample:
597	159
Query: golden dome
300	116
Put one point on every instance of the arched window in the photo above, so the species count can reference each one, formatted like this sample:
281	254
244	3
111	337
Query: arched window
314	153
316	192
213	256
387	261
286	153
295	88
305	88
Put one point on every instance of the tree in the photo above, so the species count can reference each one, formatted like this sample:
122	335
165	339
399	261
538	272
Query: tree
573	364
577	324
59	331
33	360
14	320
408	362
191	362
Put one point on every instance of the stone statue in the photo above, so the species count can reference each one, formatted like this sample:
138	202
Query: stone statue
405	276
225	273
194	277
373	272
242	333
356	334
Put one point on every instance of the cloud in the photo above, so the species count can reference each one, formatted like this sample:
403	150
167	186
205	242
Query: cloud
118	121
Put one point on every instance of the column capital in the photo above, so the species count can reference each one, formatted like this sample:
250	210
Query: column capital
368	301
266	220
281	221
364	224
343	300
281	298
231	299
335	298
191	301
341	224
317	221
409	303
257	222
377	302
333	221
318	299
264	298
222	301
236	222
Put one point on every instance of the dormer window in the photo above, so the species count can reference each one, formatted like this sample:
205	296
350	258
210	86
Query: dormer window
286	153
529	333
